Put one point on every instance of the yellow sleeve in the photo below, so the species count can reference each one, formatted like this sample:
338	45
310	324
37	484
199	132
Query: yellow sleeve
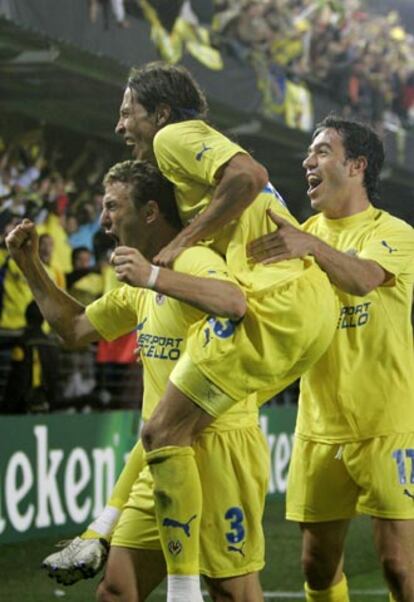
115	313
392	247
193	150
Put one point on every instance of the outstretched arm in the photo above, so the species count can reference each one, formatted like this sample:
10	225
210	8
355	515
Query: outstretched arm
239	183
210	295
63	312
351	274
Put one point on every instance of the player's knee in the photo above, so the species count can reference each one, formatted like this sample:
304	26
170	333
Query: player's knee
154	435
395	572
234	590
319	569
220	593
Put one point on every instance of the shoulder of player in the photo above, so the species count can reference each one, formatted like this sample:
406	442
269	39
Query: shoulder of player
311	223
384	221
181	128
196	259
122	295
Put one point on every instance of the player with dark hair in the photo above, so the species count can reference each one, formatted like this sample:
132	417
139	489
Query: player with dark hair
222	195
354	440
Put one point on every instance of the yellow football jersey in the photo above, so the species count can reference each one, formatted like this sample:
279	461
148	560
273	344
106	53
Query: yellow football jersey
363	386
162	324
189	154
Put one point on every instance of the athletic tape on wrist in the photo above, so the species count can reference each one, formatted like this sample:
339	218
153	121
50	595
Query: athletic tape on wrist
152	278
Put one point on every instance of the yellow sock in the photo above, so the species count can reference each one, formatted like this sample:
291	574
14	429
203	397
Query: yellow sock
178	505
336	593
104	524
391	598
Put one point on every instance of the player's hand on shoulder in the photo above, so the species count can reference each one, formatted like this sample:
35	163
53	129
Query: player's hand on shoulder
286	242
166	257
131	266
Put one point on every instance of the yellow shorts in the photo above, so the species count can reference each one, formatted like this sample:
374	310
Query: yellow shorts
234	468
333	482
283	333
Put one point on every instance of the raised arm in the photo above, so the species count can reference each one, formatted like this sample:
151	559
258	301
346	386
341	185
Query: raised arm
210	295
239	183
63	312
351	274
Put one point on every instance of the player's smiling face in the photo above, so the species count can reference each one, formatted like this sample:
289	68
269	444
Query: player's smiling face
137	127
328	173
119	218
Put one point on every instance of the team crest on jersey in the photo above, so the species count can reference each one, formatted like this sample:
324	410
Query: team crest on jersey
159	299
175	547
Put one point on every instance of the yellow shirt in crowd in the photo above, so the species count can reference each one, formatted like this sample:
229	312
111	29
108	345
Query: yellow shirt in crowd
364	384
17	294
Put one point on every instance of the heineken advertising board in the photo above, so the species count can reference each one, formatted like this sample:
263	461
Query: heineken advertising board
56	471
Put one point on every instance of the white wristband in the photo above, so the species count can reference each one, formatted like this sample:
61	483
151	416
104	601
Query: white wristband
152	278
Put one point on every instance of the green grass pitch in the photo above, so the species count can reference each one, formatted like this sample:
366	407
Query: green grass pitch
23	581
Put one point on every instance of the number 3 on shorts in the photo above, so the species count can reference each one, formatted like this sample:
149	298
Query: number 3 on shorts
235	516
399	455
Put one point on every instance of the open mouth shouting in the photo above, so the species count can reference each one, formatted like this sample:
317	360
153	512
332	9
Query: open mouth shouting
314	181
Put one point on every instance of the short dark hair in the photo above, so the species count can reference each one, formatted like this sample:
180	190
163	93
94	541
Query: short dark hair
78	250
173	85
148	184
359	139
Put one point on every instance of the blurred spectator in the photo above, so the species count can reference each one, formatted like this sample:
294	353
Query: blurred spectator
88	224
32	383
118	9
84	282
46	246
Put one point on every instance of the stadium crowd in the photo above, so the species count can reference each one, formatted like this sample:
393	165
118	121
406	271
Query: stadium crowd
37	373
362	61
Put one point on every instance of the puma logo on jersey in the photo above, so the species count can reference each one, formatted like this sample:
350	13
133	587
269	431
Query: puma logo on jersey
407	493
234	549
387	246
200	154
171	522
140	326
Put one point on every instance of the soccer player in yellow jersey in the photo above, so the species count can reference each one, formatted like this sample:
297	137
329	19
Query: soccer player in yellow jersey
140	213
354	444
222	196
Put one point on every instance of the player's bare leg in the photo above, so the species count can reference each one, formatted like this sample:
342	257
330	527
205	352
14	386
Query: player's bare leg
322	559
394	540
131	575
245	588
